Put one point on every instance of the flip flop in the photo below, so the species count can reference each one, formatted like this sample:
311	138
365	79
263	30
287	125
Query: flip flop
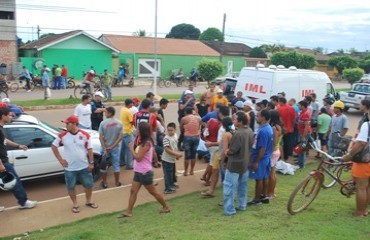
124	215
76	209
92	205
164	211
207	195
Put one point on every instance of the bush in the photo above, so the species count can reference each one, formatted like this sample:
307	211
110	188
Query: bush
257	52
209	69
353	74
299	60
342	63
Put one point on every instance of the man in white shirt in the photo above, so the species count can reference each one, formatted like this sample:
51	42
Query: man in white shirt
77	160
83	112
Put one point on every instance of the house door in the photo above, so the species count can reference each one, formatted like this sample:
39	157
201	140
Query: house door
147	67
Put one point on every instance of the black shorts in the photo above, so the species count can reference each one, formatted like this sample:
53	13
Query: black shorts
144	178
324	142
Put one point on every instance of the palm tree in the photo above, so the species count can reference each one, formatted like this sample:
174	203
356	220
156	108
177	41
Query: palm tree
140	33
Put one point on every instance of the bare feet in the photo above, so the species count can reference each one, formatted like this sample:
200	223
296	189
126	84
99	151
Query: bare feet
359	214
164	210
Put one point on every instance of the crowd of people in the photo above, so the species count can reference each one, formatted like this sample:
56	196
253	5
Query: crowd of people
239	139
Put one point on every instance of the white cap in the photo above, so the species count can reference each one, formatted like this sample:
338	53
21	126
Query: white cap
220	91
188	92
91	71
47	69
5	100
99	94
249	103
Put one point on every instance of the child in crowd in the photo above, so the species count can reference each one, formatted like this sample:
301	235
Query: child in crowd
169	157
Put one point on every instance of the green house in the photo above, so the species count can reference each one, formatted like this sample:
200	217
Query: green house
138	53
77	50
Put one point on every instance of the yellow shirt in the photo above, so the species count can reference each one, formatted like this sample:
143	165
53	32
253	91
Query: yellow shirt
216	100
126	120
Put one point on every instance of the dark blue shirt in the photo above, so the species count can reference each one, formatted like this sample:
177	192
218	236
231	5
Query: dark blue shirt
209	116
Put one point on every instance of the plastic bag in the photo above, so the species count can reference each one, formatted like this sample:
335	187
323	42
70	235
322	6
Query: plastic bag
285	168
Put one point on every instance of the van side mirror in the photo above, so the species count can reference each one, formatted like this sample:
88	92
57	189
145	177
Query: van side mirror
336	96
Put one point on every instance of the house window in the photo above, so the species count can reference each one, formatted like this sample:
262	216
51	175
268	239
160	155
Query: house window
6	15
147	67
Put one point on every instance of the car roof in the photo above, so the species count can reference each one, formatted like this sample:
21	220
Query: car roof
25	118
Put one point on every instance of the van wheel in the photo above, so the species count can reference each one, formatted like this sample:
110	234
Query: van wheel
345	109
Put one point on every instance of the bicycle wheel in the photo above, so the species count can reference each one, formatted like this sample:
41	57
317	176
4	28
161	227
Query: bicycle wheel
167	84
303	195
185	83
3	94
71	84
161	83
14	87
80	91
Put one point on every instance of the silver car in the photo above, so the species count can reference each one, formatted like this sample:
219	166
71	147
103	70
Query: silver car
39	161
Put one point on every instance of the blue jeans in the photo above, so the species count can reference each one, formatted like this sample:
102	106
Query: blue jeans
190	146
126	155
58	83
302	156
221	170
18	191
168	169
108	91
235	182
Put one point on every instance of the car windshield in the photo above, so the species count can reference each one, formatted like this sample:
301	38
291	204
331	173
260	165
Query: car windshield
50	127
362	88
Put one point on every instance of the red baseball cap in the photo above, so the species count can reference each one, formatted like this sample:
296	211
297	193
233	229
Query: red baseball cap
71	119
135	99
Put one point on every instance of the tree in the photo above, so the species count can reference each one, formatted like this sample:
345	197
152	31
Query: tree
46	35
342	62
365	65
352	75
211	34
209	69
140	33
272	48
299	60
257	52
184	31
352	50
340	51
319	50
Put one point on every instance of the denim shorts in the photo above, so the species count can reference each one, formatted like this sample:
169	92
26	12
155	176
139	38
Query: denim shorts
263	170
84	176
114	155
144	178
190	146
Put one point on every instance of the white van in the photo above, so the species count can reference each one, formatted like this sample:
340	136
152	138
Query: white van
261	83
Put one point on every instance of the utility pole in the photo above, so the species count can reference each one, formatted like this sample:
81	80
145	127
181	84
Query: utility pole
155	48
223	37
38	32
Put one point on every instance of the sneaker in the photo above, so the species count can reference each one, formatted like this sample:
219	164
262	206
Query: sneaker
28	204
264	199
103	185
169	191
28	90
254	203
2	208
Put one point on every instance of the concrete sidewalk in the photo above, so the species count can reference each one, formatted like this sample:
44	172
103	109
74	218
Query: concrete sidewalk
58	211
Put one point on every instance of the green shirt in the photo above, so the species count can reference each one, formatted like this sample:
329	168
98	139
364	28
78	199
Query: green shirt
323	120
107	79
58	72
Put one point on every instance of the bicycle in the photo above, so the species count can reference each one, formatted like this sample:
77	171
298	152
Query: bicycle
333	169
160	82
84	89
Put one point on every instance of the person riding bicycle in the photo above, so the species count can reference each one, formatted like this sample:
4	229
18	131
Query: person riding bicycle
121	74
25	75
180	75
89	80
193	77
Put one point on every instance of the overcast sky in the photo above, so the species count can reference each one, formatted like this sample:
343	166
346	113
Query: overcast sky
333	24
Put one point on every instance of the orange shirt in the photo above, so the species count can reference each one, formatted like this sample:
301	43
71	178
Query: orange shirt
216	100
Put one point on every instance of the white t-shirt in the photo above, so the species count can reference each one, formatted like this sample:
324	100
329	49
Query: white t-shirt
75	149
364	131
134	110
83	112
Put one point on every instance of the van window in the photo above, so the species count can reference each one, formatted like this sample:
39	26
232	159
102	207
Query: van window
330	89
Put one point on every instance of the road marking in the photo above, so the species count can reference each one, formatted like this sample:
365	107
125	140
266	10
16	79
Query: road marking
97	191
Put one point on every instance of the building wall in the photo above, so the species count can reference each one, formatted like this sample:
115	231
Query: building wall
77	54
8	44
171	62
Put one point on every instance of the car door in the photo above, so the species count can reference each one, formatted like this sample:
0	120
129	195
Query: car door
39	159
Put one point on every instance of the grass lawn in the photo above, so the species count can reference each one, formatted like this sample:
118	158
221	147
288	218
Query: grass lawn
66	101
328	217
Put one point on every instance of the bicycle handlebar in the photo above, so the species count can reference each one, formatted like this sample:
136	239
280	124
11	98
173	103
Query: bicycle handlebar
315	147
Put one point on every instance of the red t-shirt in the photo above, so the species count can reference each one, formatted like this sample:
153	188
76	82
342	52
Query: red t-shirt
213	125
144	116
304	116
287	115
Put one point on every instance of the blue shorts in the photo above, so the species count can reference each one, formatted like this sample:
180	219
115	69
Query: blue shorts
84	176
263	169
190	146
